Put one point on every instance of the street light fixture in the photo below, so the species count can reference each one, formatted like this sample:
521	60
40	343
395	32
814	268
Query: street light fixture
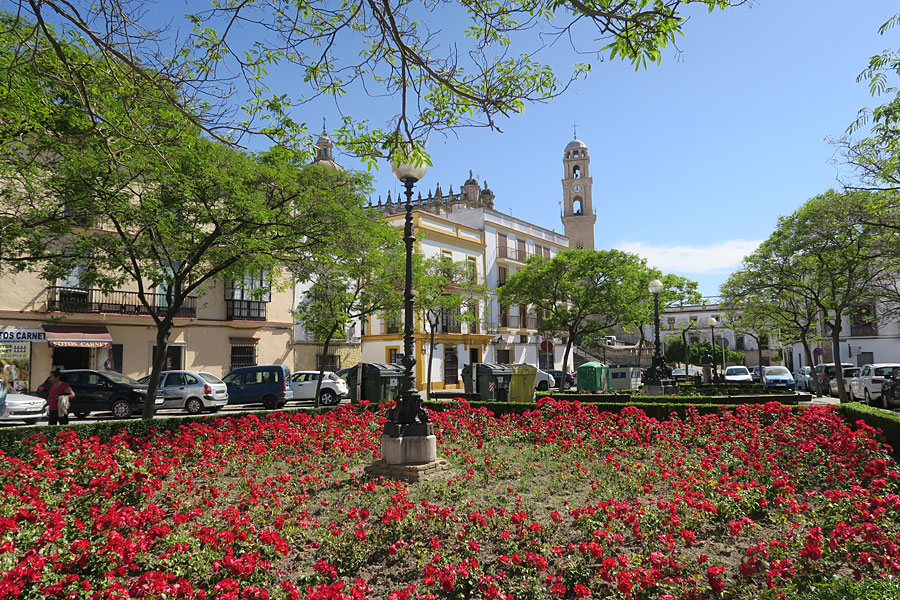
408	418
712	338
658	369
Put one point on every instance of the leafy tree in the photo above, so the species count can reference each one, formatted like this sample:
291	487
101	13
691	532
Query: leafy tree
363	276
389	50
676	351
170	216
445	288
583	292
763	296
677	291
842	259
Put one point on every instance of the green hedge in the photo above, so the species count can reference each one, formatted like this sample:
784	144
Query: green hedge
713	389
887	421
718	400
659	410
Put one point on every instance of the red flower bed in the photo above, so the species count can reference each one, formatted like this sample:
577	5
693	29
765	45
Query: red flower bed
561	502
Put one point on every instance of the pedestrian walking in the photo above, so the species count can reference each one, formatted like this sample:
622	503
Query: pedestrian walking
59	398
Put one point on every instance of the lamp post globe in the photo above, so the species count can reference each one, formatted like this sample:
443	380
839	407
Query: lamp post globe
658	369
408	418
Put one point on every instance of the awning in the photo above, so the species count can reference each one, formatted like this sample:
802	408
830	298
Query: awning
243	341
77	336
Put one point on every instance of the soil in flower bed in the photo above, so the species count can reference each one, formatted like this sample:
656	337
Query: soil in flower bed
564	501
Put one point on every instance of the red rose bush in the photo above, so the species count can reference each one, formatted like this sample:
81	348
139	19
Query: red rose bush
561	502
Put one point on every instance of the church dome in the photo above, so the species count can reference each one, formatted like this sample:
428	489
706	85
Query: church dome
576	143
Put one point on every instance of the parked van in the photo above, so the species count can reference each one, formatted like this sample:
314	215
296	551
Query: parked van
263	383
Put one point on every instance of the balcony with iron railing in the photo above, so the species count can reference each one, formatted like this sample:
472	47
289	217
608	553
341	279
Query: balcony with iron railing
514	254
117	302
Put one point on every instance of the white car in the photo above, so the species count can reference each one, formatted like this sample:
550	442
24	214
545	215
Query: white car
543	381
867	385
303	384
23	408
738	374
804	379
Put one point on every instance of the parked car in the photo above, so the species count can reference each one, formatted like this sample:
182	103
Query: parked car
194	391
738	374
693	375
103	391
569	378
890	390
778	377
303	384
263	383
825	373
803	377
23	408
848	374
543	381
754	374
867	387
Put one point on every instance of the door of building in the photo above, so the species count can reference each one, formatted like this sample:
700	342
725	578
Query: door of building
451	366
474	355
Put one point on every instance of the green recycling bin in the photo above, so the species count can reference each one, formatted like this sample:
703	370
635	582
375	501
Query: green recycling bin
491	381
521	388
593	377
380	382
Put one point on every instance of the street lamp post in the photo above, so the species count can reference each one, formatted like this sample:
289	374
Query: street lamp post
408	418
658	369
712	338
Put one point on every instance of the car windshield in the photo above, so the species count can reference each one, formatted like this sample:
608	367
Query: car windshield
884	371
737	371
209	377
678	372
233	379
144	379
779	371
119	378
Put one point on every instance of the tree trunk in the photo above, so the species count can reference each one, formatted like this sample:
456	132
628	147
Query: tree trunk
809	358
163	330
836	356
430	360
641	347
565	364
325	346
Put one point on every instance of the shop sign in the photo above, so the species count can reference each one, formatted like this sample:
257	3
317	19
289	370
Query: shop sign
15	360
22	335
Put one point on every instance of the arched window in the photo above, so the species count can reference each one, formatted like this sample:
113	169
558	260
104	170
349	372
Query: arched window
576	206
576	172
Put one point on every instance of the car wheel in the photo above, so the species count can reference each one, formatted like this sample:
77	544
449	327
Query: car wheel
81	415
328	398
121	409
543	386
270	402
194	406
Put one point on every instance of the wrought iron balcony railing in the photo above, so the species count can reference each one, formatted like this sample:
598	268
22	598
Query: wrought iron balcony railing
118	302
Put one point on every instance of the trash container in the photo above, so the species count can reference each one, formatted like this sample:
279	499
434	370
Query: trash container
593	377
521	388
380	382
491	381
625	378
468	380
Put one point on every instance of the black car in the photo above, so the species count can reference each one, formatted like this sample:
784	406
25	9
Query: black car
890	390
557	375
102	391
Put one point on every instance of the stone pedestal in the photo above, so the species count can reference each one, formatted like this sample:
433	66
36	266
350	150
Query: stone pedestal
410	458
409	449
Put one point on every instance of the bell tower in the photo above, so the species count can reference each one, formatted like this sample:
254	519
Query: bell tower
578	216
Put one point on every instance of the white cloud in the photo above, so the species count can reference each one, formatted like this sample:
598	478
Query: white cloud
723	257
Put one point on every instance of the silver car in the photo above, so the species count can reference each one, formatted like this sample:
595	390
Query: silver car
23	408
194	391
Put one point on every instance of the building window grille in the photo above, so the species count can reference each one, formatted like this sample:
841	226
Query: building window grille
328	362
243	355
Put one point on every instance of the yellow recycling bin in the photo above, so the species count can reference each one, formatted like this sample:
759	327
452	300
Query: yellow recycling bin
521	385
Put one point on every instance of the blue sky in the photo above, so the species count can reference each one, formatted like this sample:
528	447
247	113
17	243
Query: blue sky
693	160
